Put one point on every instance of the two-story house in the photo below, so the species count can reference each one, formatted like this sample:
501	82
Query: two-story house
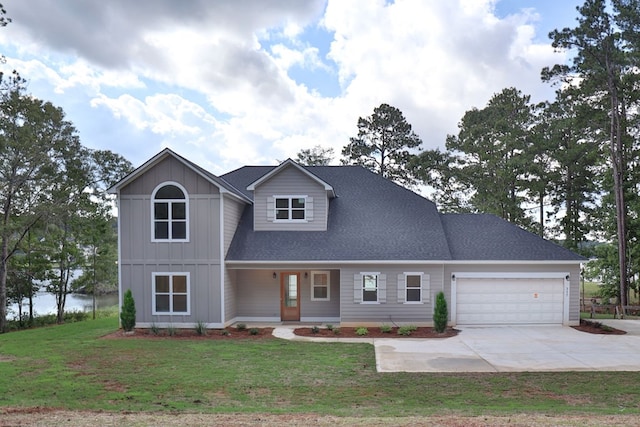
333	244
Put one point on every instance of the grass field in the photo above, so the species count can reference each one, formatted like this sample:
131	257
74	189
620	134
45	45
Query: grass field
72	367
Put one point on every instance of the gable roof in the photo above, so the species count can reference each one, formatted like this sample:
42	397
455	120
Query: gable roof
371	218
222	185
290	163
477	237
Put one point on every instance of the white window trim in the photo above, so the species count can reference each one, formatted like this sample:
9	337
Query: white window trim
153	291
406	287
290	197
328	273
152	212
377	274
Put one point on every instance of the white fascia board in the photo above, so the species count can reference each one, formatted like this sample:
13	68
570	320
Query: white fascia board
417	262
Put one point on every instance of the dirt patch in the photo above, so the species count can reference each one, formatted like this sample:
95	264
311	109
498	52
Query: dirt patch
191	334
594	327
374	332
47	417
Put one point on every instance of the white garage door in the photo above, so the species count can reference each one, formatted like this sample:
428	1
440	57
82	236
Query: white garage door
488	301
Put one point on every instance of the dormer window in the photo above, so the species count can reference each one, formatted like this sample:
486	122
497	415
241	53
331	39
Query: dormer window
170	211
290	208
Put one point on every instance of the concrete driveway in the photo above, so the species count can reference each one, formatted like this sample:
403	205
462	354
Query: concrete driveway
514	349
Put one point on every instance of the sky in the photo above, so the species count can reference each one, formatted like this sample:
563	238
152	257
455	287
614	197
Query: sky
229	83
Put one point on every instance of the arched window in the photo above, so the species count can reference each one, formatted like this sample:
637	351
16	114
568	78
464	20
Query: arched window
170	213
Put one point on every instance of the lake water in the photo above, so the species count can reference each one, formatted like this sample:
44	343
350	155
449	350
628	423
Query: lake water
45	303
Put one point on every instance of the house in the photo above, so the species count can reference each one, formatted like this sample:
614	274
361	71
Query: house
333	244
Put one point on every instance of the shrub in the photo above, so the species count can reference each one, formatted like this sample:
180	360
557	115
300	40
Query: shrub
330	327
254	331
440	313
315	329
172	330
128	313
385	329
362	331
241	326
201	328
406	330
336	331
225	332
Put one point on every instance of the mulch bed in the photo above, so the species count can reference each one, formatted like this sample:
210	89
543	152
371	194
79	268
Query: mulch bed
191	334
594	327
375	332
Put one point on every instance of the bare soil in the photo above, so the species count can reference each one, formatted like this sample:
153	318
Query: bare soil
50	417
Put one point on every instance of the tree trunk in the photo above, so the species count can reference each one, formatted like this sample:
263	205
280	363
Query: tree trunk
618	164
4	257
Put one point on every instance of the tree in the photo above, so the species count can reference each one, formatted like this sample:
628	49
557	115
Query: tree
605	69
491	155
384	145
316	156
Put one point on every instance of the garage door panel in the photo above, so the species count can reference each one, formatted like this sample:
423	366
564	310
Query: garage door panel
509	301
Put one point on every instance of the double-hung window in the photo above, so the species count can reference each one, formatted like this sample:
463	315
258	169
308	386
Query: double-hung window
370	288
171	293
413	288
290	208
320	286
170	210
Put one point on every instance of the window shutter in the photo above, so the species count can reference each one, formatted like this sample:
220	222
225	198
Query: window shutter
382	288
271	209
426	288
357	288
402	284
309	209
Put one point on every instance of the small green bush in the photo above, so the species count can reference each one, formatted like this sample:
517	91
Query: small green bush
241	326
440	313
362	331
201	328
155	330
385	329
225	332
254	331
315	329
128	313
406	330
172	330
330	327
336	331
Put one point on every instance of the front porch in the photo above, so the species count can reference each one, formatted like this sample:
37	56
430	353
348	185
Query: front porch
279	296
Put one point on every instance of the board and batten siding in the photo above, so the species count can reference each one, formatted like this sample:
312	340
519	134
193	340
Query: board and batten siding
572	269
393	310
290	182
200	256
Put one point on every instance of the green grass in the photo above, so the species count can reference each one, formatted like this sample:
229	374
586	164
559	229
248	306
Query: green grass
71	367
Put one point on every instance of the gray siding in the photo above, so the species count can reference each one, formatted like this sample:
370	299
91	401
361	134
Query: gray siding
290	181
258	295
233	209
391	311
230	296
572	269
200	256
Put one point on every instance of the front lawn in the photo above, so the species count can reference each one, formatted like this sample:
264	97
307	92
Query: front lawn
72	367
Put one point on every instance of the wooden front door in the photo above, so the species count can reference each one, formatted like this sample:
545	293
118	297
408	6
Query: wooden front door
290	296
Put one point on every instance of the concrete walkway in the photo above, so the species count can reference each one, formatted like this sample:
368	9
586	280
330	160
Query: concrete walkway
505	349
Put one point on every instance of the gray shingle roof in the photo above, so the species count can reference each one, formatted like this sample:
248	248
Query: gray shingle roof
375	219
370	219
479	237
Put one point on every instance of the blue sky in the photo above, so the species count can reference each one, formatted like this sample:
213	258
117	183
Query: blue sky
236	82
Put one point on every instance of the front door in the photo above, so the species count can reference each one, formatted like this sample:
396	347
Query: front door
290	296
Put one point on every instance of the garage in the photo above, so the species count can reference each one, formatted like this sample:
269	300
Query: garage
503	299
